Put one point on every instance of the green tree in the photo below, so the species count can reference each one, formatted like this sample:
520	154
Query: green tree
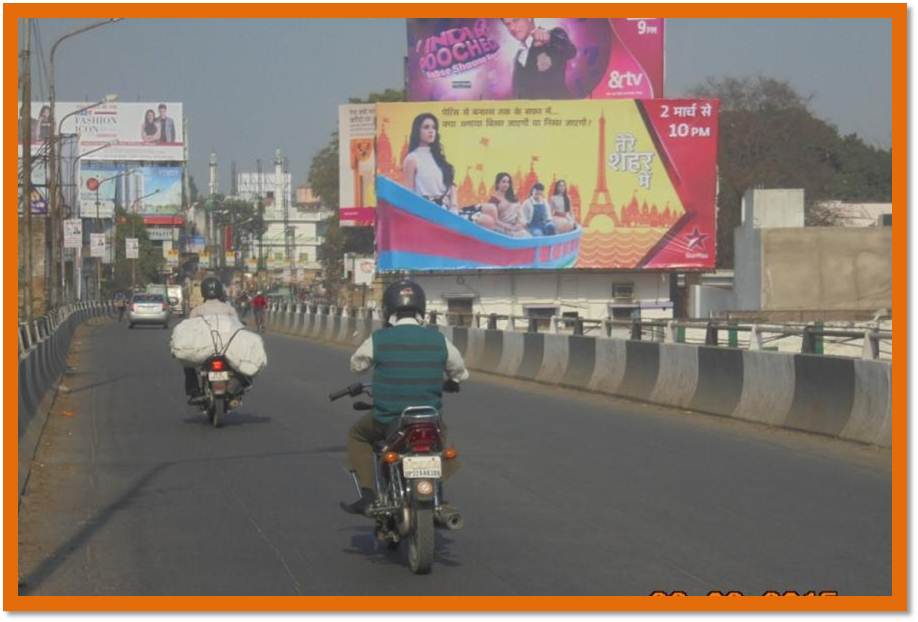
323	177
148	265
769	138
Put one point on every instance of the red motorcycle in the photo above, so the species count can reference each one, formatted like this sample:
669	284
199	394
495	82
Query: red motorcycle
409	470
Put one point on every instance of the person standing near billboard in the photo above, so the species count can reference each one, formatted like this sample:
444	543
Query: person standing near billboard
166	126
539	67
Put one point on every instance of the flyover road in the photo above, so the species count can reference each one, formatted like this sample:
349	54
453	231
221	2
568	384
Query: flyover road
133	493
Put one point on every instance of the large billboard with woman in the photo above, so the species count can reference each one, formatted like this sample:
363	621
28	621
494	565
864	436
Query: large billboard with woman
624	184
116	131
534	58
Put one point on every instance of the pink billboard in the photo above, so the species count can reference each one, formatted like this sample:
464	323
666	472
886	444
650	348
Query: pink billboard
534	58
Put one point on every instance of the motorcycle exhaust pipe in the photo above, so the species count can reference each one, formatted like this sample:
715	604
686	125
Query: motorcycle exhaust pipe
451	519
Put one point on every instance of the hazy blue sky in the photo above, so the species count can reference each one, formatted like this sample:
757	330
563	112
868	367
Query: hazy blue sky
250	86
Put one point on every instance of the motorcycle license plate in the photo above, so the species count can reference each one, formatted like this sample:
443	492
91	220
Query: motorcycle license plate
218	376
421	466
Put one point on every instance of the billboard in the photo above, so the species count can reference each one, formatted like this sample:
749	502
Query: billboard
147	190
136	131
356	164
99	189
540	58
154	190
638	191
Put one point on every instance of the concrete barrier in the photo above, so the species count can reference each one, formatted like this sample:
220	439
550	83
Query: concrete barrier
840	397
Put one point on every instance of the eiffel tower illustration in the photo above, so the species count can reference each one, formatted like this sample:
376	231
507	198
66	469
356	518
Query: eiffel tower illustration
601	205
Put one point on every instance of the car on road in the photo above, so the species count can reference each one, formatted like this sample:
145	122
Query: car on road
149	309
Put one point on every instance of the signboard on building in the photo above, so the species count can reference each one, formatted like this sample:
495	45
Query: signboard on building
622	184
204	259
73	233
196	244
356	164
251	264
131	248
97	245
171	254
159	234
148	131
364	270
540	58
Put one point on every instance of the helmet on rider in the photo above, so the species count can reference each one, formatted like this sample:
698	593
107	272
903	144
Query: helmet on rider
212	289
404	298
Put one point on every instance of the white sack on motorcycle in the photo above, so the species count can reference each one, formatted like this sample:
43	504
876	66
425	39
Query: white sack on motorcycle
196	339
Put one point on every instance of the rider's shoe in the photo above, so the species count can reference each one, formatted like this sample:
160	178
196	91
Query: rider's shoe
362	506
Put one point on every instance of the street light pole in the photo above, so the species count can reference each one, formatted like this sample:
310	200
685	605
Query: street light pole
53	173
98	223
74	200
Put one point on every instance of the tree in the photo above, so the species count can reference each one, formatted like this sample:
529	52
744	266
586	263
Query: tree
323	177
770	138
148	264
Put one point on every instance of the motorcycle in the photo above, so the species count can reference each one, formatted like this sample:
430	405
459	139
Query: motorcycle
408	474
222	388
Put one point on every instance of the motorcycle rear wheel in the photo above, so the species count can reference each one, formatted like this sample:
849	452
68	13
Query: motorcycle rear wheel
218	411
421	540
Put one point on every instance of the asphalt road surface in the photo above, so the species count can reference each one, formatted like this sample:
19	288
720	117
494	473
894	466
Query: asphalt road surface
133	493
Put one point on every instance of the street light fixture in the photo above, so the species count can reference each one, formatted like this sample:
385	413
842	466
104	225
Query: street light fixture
53	211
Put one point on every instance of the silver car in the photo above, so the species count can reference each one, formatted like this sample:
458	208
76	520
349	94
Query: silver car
149	309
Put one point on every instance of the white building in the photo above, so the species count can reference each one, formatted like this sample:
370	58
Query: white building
562	293
303	221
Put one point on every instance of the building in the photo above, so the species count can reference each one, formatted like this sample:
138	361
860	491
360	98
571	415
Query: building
785	270
295	229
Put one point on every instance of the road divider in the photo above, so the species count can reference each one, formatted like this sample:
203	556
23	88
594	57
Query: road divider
834	396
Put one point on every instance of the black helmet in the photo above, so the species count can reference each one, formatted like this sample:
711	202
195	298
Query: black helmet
212	288
404	298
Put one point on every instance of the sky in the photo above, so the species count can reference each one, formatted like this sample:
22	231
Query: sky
252	86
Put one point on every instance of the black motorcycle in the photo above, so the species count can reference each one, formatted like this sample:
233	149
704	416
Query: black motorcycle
408	480
221	387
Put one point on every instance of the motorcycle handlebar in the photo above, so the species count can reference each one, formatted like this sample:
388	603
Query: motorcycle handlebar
352	390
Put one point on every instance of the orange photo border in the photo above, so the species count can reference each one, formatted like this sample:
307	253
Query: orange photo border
897	601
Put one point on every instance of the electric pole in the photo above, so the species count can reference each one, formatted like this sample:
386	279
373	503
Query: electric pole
25	235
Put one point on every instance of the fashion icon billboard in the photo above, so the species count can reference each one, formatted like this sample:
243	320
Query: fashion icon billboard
534	58
606	184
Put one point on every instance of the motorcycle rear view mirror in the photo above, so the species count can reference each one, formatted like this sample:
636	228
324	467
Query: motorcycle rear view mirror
362	406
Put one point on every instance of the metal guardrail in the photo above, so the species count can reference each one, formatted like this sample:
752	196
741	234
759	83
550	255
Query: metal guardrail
814	337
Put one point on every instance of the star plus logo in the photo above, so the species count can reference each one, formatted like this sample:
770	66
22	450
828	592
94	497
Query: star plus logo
695	240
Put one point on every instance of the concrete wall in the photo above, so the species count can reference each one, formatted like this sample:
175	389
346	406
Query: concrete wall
844	398
747	279
587	293
827	268
706	300
773	208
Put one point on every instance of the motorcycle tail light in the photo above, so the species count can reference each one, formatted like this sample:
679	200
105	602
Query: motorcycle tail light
390	457
216	365
422	438
450	453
